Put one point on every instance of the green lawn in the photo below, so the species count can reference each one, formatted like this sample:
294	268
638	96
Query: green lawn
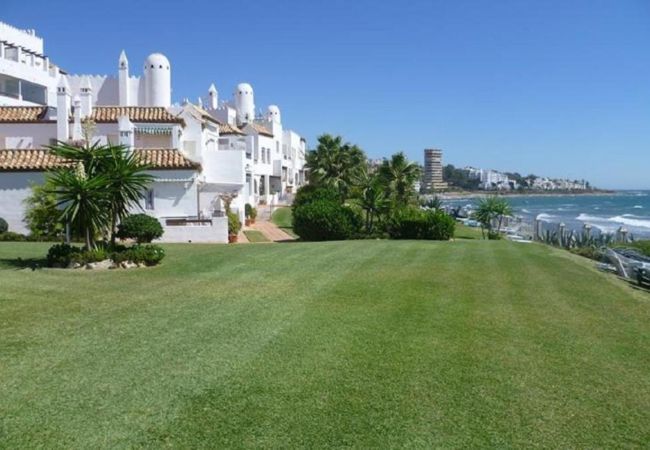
364	344
255	236
283	218
465	232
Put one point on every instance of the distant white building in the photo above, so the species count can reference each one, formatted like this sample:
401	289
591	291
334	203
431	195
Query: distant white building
200	153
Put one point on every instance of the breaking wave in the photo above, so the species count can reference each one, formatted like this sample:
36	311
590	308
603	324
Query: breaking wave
547	217
626	219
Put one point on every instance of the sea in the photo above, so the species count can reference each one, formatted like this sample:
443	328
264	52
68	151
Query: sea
604	212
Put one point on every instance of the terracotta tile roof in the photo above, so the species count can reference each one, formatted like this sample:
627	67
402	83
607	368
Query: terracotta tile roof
40	159
22	160
100	114
166	158
225	129
260	129
22	114
150	114
201	113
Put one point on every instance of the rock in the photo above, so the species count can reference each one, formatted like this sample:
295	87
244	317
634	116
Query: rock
74	265
105	264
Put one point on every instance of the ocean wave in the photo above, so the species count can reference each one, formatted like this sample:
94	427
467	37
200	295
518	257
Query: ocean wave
637	207
625	219
547	217
524	210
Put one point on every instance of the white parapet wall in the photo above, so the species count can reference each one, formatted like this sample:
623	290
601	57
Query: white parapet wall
213	230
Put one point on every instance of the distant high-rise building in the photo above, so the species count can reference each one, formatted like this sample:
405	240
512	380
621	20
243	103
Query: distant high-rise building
433	170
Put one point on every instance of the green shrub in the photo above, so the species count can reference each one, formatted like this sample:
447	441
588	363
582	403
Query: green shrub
42	216
325	220
588	252
493	235
249	211
10	236
414	223
141	227
61	255
90	256
310	193
4	226
234	224
642	246
149	255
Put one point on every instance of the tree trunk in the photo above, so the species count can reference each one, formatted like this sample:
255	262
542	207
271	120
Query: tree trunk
88	241
113	226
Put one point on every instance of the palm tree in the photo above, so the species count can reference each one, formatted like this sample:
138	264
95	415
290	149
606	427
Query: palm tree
84	200
491	209
399	175
98	187
370	196
127	182
335	164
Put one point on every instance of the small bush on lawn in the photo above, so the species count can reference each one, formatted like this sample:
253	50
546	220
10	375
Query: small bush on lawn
325	220
61	255
310	193
414	223
90	256
234	224
4	226
141	227
149	255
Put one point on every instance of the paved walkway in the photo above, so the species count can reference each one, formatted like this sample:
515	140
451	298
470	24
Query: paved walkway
271	231
241	237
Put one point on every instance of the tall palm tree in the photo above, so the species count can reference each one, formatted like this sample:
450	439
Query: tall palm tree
335	164
399	176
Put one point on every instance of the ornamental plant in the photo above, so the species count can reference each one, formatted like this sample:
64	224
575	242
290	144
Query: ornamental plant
325	220
140	227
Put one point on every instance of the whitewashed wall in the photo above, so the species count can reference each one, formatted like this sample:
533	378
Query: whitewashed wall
14	189
177	198
29	135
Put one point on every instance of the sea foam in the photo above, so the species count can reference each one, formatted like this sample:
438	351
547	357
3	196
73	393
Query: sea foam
625	219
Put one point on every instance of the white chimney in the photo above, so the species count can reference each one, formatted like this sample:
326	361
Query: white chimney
77	134
86	98
63	109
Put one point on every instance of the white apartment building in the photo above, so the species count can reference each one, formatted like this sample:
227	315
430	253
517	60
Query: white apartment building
199	154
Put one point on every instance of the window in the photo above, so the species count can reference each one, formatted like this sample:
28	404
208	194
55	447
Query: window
148	199
268	155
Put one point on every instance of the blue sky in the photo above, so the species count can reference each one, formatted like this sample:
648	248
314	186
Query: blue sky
558	88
